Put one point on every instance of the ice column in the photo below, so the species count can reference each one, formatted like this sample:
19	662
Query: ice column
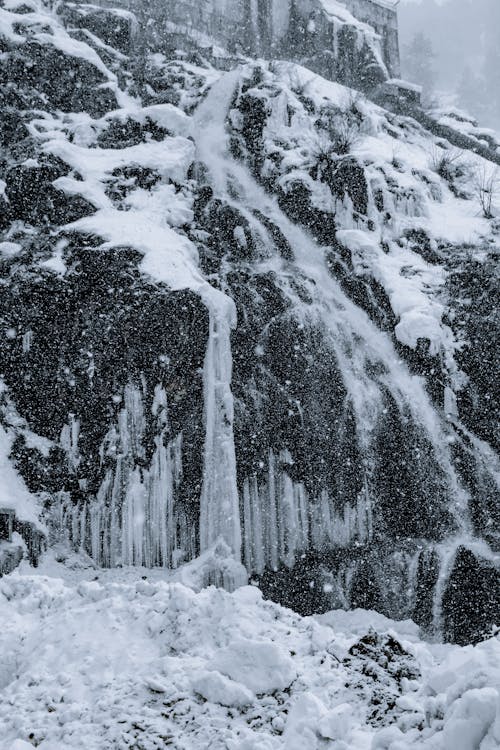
219	511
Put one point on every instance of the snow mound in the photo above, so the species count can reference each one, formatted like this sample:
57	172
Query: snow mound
114	661
261	667
215	687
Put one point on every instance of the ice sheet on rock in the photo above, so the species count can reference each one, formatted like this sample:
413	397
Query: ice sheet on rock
355	339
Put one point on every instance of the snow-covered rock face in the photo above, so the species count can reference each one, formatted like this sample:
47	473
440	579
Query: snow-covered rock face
240	313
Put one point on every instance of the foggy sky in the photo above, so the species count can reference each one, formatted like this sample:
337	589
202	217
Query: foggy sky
463	33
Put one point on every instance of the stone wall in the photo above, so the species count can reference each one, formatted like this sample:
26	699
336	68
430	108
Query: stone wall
269	28
382	15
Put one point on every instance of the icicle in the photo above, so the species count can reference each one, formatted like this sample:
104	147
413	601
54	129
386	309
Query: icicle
161	526
272	535
247	522
70	434
259	561
27	341
219	504
83	527
254	21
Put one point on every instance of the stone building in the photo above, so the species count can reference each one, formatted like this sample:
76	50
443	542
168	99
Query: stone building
352	41
382	15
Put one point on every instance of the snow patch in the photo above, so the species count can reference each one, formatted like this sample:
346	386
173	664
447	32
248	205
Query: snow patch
13	492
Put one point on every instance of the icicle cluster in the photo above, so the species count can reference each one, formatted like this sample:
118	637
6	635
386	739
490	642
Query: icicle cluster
133	520
282	521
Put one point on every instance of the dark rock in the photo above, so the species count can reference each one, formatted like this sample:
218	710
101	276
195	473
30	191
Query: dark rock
12	128
129	132
109	26
347	177
478	479
33	538
471	601
127	179
410	486
379	665
34	199
254	111
299	588
475	302
230	232
11	556
419	241
296	203
426	580
365	588
67	83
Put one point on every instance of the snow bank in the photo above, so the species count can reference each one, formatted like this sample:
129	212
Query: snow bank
119	661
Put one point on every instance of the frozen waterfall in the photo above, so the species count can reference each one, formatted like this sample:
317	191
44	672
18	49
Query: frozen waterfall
279	518
266	520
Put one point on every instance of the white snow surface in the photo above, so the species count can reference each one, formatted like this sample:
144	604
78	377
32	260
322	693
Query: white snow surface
13	492
107	659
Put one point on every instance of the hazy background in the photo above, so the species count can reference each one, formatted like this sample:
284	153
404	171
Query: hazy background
452	48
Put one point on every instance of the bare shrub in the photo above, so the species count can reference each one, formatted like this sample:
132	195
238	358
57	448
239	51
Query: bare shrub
446	162
487	189
342	127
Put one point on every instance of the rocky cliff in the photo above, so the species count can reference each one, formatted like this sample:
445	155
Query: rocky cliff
249	312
